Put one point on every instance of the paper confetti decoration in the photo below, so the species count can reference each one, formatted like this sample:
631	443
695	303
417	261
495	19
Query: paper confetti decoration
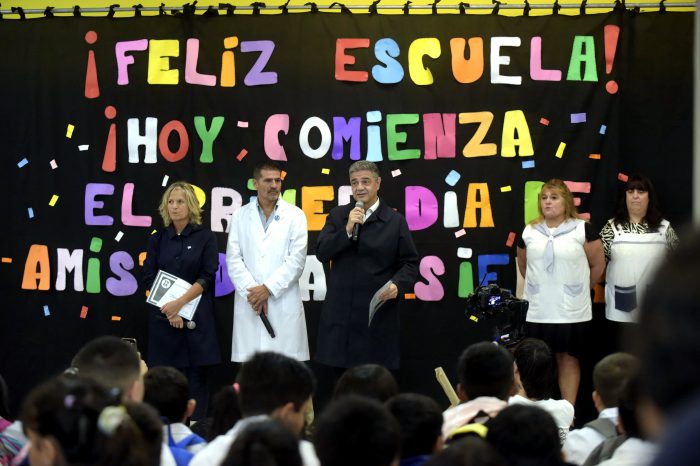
464	253
474	318
452	178
164	183
544	121
6	260
395	173
241	155
578	118
528	164
409	296
47	312
83	312
560	150
30	212
250	184
326	171
22	163
459	233
603	128
116	318
283	175
511	239
242	124
119	236
622	177
69	131
594	156
83	147
53	201
53	164
505	189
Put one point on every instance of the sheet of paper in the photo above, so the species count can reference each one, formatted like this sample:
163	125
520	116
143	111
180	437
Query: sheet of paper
168	287
375	303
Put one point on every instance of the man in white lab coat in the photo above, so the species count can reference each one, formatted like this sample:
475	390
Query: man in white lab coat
265	256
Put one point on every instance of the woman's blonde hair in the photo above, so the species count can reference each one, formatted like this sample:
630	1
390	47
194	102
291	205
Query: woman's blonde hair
195	212
560	188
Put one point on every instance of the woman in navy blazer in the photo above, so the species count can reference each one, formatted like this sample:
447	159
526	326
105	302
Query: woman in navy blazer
189	251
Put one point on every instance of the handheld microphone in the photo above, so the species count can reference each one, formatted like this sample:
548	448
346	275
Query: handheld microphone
356	227
267	325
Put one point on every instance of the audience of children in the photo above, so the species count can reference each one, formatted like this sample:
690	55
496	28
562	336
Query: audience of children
94	415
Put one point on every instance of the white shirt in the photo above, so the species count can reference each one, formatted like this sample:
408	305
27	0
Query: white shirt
561	411
632	452
581	442
179	432
216	450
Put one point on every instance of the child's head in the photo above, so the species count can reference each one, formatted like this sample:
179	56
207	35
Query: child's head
525	435
113	363
420	418
264	443
485	369
277	385
370	380
536	368
610	375
355	430
166	389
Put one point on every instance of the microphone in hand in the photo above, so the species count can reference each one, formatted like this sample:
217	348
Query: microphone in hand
356	227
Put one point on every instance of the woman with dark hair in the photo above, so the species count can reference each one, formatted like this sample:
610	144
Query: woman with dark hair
634	242
189	251
561	258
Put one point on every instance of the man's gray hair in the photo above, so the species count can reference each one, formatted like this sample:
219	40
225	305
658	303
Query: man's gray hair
364	165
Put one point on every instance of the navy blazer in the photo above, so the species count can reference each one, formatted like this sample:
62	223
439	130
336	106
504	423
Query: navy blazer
193	256
384	251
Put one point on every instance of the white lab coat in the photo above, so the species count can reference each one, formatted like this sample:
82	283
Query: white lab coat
275	258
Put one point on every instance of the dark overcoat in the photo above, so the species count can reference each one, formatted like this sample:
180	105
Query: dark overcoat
384	251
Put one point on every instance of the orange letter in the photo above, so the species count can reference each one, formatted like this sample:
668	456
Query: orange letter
312	198
483	203
38	256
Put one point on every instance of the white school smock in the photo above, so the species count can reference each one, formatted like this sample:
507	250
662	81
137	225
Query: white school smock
561	296
633	259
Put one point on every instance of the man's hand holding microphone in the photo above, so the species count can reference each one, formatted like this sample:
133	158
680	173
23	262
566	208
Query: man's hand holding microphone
355	219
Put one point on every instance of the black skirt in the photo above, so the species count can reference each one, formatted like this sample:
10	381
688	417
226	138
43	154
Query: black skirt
562	338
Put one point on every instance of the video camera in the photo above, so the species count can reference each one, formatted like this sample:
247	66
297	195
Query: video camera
504	311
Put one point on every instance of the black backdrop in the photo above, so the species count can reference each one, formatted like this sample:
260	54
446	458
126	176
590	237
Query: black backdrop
46	86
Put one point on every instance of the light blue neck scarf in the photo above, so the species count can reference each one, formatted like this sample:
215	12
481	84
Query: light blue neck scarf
564	228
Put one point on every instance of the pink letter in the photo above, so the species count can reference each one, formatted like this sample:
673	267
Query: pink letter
191	74
273	126
127	217
430	266
536	71
421	208
124	60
